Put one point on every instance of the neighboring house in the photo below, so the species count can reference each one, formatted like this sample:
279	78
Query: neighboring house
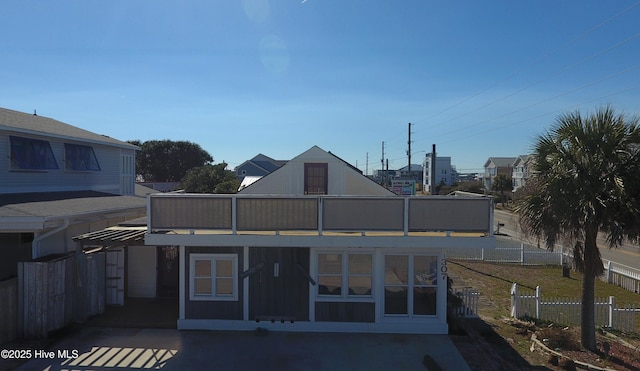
58	181
316	246
522	168
445	173
316	172
258	166
494	166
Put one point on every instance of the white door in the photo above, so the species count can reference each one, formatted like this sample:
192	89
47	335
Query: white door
115	276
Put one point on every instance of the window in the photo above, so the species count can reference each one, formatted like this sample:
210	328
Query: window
410	285
343	275
80	158
31	154
315	178
213	277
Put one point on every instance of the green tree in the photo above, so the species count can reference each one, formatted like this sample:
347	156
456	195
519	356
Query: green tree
502	183
210	179
587	182
167	160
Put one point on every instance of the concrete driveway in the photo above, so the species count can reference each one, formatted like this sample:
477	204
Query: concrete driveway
98	348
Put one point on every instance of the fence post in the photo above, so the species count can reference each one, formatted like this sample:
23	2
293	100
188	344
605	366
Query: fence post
482	256
612	304
538	299
522	253
514	300
609	271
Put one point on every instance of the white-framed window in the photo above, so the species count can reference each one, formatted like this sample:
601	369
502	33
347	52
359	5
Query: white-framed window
345	276
213	277
410	285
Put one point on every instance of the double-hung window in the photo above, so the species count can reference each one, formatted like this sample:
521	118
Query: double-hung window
31	154
213	277
344	275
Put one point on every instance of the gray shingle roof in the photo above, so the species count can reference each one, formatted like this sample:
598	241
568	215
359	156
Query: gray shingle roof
38	125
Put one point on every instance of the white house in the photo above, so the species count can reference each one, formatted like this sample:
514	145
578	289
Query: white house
521	171
59	181
316	246
444	172
494	166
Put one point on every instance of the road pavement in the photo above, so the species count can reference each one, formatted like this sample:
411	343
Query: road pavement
628	254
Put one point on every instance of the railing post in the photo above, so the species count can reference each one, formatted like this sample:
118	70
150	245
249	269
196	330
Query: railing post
234	215
320	211
612	304
405	224
514	300
538	299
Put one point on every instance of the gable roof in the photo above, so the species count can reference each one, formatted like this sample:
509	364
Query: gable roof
315	153
500	161
39	125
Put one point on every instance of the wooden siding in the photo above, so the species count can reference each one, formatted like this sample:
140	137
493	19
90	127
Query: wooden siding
230	310
259	214
105	180
52	294
8	310
190	213
345	312
363	214
281	294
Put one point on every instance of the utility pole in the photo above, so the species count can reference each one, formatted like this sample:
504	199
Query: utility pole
382	165
432	174
409	152
366	166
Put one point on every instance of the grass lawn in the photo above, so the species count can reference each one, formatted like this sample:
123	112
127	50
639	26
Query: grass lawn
494	281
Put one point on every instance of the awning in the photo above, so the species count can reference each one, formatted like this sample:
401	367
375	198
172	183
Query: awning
114	236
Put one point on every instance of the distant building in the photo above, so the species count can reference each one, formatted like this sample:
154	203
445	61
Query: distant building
258	166
522	168
445	173
494	166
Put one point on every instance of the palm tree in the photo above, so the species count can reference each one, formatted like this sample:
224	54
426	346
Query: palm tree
587	181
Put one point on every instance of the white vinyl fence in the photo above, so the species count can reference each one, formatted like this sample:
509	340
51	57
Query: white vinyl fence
622	276
470	298
616	274
566	311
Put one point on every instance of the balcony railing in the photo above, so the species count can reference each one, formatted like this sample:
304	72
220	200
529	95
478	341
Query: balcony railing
242	213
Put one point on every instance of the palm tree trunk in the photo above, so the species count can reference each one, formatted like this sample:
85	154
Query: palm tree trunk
591	261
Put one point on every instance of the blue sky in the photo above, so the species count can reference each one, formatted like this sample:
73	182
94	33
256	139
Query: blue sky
476	78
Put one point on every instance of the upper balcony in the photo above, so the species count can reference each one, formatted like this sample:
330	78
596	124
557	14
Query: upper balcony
173	215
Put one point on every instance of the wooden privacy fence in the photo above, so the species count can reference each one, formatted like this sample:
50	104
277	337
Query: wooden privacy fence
56	290
527	302
8	310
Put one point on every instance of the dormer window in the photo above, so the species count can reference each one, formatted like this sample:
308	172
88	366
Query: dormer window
80	158
31	154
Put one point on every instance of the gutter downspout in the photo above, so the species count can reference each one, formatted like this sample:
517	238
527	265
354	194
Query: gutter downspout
35	244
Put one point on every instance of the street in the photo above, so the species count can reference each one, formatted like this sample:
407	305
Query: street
627	254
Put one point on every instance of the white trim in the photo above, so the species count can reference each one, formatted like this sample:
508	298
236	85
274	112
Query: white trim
182	280
245	284
213	258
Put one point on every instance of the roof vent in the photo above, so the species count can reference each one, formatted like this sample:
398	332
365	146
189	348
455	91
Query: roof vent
34	113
